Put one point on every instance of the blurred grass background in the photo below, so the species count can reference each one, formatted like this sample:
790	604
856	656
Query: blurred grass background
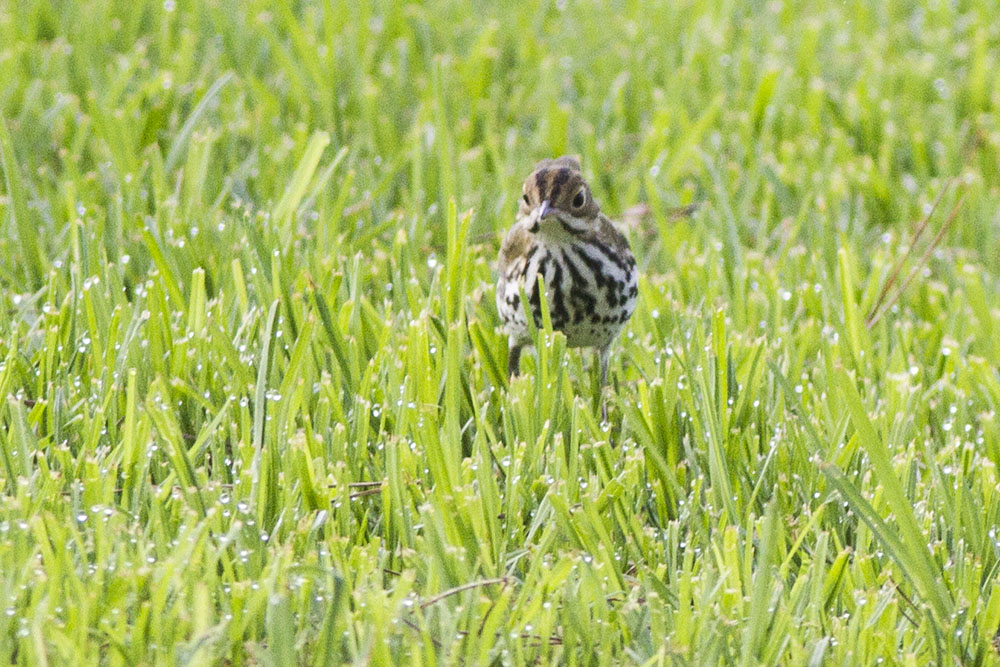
253	400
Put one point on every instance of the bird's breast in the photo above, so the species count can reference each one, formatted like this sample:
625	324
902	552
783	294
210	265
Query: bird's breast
590	289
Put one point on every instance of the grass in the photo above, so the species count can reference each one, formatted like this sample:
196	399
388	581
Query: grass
252	386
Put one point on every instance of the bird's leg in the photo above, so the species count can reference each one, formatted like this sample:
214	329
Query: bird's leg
513	359
604	355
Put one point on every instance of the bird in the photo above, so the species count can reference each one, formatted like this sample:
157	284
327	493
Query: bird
589	271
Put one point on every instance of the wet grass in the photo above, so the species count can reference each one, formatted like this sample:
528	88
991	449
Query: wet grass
254	406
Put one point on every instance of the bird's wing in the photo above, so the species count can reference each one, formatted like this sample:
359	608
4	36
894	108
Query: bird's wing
611	236
516	244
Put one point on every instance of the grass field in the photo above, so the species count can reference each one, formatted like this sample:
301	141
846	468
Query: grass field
253	407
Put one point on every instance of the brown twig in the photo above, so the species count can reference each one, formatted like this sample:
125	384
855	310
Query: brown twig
908	601
634	215
366	492
902	593
874	318
464	587
552	640
902	260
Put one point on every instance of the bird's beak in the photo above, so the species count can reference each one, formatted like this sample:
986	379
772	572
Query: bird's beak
545	210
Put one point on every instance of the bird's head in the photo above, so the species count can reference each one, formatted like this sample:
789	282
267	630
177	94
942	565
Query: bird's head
557	201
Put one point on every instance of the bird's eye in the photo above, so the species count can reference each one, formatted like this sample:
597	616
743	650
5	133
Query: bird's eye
580	199
525	198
